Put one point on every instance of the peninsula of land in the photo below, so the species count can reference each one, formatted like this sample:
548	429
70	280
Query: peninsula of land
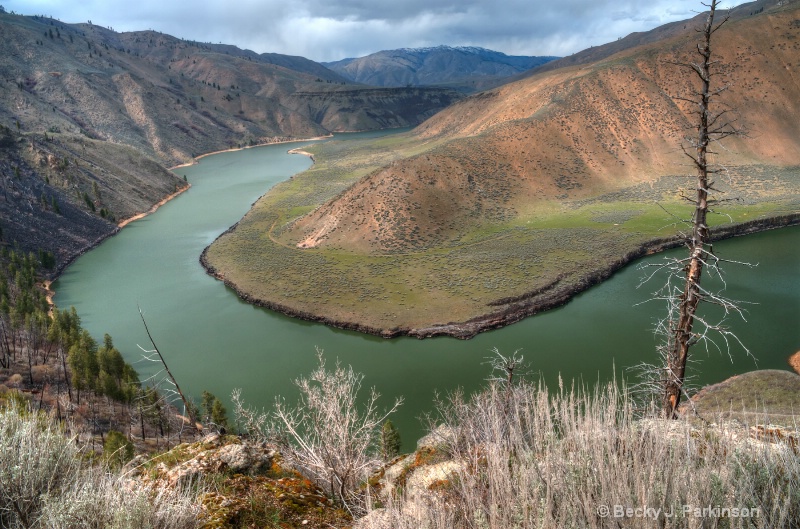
512	200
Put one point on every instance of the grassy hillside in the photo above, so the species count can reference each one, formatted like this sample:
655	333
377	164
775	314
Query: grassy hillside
771	396
511	200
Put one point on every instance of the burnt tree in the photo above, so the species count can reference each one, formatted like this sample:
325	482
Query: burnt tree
712	124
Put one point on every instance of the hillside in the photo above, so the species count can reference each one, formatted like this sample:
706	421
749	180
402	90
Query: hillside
64	193
119	107
170	98
512	200
467	69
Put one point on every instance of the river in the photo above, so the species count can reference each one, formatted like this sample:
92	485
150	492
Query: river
213	341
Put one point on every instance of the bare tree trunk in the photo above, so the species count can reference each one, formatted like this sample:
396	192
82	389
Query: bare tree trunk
683	336
187	407
141	420
5	352
64	368
58	398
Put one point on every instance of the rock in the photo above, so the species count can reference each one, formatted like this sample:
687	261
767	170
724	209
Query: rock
212	439
215	453
439	436
422	478
134	467
245	458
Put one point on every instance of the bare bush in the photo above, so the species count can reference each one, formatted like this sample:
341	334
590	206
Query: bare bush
329	436
528	458
36	461
105	501
45	482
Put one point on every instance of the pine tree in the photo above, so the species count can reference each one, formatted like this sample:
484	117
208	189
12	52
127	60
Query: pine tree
117	449
390	441
214	411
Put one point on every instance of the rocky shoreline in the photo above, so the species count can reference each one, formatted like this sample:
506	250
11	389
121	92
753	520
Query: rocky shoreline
518	307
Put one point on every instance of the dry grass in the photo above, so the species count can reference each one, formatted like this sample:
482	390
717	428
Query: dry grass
527	458
767	395
45	482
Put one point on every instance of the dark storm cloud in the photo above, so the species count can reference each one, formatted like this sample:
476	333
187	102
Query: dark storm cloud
329	30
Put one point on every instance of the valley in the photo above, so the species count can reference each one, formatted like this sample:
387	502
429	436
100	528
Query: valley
215	341
92	118
509	202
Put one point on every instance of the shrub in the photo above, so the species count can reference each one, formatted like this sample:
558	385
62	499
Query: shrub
44	482
106	501
117	449
527	458
329	436
36	462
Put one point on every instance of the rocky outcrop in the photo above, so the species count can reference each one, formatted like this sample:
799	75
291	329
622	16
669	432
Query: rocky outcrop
250	487
187	463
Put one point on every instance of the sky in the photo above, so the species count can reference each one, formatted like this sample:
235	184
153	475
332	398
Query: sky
329	30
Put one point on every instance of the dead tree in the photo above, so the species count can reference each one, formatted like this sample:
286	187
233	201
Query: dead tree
684	327
164	380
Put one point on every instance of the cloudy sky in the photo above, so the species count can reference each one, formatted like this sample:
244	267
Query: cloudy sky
327	30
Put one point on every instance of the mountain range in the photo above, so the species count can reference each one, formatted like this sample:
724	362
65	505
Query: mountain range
468	69
573	130
88	112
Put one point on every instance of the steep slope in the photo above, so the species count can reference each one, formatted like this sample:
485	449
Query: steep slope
63	193
170	98
570	133
512	200
468	69
160	101
661	33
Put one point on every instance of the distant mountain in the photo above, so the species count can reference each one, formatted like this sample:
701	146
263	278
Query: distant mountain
174	99
468	69
515	198
90	117
575	131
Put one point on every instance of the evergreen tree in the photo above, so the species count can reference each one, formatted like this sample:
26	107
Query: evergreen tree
219	415
110	360
82	359
117	449
213	410
390	441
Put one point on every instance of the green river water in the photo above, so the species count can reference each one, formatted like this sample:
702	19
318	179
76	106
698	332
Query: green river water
213	341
